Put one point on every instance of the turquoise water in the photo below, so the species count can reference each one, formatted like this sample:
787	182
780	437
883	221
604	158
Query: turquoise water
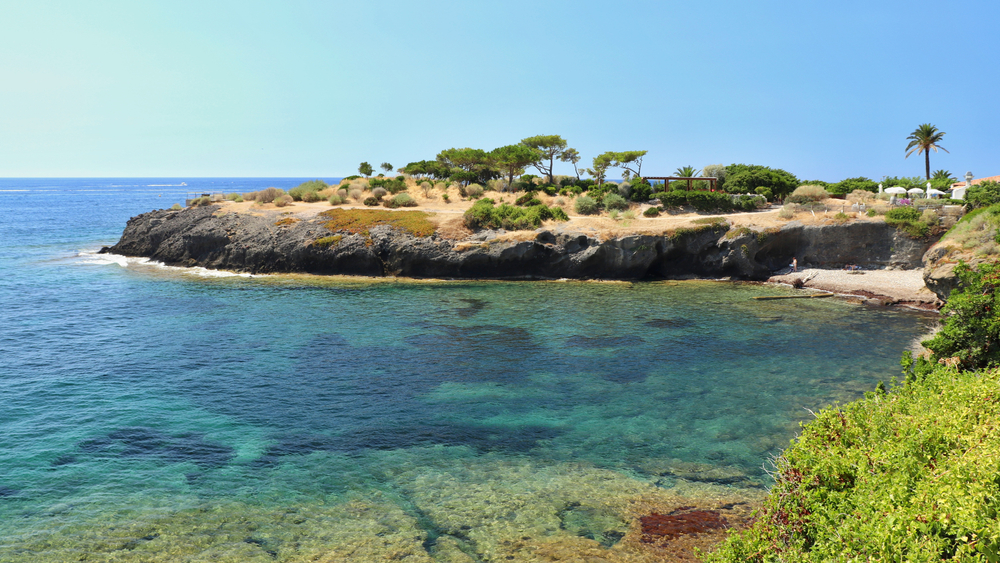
159	414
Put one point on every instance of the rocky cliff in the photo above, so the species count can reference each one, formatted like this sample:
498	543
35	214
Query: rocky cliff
259	244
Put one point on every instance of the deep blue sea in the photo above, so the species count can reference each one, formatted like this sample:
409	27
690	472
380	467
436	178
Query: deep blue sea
162	414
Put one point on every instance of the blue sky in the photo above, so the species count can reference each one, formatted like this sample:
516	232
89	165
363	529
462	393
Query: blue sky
825	90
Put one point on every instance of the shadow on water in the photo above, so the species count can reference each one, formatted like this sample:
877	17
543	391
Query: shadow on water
149	443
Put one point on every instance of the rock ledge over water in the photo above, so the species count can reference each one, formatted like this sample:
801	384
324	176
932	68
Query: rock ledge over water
257	243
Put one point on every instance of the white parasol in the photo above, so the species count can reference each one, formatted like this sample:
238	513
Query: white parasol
895	190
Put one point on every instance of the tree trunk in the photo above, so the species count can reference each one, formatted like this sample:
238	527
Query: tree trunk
927	163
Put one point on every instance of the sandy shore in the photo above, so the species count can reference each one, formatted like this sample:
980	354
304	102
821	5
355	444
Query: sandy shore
905	287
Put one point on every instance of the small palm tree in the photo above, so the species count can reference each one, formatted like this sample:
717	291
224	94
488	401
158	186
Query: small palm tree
943	175
925	138
687	172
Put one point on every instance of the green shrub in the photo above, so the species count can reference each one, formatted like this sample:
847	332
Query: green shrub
746	178
908	475
266	195
400	200
788	211
233	196
614	202
312	186
651	212
900	214
585	205
983	195
371	201
310	197
749	203
907	219
527	199
710	201
176	207
379	192
674	199
283	200
335	200
485	215
849	185
807	193
473	191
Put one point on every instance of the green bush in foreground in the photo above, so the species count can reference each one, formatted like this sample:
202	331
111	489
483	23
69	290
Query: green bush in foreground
484	215
910	475
907	475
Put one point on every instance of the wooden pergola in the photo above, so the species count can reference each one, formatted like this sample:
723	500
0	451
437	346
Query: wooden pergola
712	182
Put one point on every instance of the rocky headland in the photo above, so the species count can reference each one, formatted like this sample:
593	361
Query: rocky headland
269	243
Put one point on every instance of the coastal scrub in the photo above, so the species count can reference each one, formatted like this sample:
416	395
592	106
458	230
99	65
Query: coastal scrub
361	221
905	475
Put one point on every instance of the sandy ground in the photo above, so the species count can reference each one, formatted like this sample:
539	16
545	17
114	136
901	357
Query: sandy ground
448	215
887	286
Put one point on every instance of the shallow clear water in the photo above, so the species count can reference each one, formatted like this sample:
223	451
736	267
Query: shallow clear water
150	413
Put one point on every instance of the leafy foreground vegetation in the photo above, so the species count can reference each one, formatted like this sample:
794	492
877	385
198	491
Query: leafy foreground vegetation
485	215
361	221
908	474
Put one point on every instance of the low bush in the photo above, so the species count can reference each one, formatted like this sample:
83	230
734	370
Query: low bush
283	200
710	201
400	200
426	188
614	202
266	195
310	197
176	207
379	192
326	242
527	199
907	219
285	221
335	200
585	205
371	201
930	217
807	193
233	196
787	211
298	193
473	191
360	221
356	194
484	214
651	212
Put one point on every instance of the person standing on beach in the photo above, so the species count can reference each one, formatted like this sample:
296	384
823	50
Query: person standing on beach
795	264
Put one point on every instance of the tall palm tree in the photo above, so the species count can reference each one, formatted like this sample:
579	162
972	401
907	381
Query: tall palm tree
925	138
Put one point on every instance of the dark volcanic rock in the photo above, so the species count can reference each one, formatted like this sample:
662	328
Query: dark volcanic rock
254	243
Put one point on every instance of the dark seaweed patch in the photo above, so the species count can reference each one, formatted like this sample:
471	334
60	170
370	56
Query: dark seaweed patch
591	342
139	442
517	439
64	459
669	323
475	306
8	492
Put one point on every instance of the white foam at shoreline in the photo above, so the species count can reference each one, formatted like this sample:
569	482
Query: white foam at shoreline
93	258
